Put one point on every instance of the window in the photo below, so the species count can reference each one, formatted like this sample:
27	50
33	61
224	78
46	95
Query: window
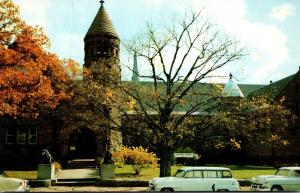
10	136
92	51
21	136
225	174
189	174
179	173
32	136
282	172
209	174
197	174
296	173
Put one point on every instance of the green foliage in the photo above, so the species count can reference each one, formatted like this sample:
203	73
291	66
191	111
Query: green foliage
256	121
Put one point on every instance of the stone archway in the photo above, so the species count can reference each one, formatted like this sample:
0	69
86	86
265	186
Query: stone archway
83	144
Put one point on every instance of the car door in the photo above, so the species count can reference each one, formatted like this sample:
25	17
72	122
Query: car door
210	179
293	181
193	181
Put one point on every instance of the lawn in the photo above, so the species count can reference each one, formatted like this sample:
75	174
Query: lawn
126	172
238	172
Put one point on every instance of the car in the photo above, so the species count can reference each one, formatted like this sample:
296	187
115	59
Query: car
196	179
285	179
12	184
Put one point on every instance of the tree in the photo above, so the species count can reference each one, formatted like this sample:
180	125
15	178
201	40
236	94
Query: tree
255	123
93	104
179	56
32	80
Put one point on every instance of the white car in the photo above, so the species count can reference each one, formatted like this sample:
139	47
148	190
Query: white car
197	179
12	184
285	179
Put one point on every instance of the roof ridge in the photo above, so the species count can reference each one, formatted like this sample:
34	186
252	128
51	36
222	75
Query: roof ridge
280	84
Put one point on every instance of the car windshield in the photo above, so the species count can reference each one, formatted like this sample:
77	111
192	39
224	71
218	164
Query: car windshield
2	174
179	173
296	173
282	172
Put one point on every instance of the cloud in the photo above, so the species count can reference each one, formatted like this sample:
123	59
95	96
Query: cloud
267	43
34	11
281	12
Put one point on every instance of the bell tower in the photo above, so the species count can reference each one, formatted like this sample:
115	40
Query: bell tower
101	41
102	47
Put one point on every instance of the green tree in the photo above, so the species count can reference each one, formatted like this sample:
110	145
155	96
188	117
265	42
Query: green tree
242	122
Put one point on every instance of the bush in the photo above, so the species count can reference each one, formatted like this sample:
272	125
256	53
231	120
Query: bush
137	157
57	166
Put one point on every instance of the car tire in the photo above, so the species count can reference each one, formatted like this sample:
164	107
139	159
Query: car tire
276	189
167	190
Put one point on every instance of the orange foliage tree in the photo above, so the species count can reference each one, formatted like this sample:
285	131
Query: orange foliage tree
32	80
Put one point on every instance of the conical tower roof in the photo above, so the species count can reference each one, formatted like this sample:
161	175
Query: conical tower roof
102	25
232	89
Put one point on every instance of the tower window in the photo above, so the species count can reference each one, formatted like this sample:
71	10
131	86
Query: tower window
98	50
92	51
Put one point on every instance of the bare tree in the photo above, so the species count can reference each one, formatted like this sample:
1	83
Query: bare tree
180	56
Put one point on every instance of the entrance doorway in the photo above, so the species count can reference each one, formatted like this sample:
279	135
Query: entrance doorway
83	144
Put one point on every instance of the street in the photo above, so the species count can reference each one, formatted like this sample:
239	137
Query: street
98	189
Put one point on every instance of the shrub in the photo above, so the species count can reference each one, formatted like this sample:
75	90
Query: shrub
137	157
57	166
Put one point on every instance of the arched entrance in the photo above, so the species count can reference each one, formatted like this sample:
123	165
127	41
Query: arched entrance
83	144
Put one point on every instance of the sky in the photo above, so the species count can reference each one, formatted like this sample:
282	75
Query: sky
269	29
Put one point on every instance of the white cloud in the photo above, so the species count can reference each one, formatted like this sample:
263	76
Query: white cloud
34	11
266	43
281	12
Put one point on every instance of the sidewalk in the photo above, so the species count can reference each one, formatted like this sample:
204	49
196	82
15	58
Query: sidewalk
77	173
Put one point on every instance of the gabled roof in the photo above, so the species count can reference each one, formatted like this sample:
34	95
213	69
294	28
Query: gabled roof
199	93
102	25
273	90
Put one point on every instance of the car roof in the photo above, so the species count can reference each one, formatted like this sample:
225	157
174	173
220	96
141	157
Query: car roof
290	168
204	168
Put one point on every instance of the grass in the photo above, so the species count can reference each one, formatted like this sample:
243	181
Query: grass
29	175
126	172
238	172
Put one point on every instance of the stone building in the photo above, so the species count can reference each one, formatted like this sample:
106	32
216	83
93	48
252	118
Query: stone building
22	140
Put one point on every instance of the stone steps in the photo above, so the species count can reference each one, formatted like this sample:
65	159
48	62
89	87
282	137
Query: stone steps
82	163
76	182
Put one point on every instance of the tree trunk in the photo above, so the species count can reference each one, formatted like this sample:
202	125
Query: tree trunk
165	164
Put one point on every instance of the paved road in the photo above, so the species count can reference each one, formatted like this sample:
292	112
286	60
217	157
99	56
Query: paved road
87	189
97	189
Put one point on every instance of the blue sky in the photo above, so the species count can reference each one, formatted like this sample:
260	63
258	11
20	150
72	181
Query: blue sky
270	29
